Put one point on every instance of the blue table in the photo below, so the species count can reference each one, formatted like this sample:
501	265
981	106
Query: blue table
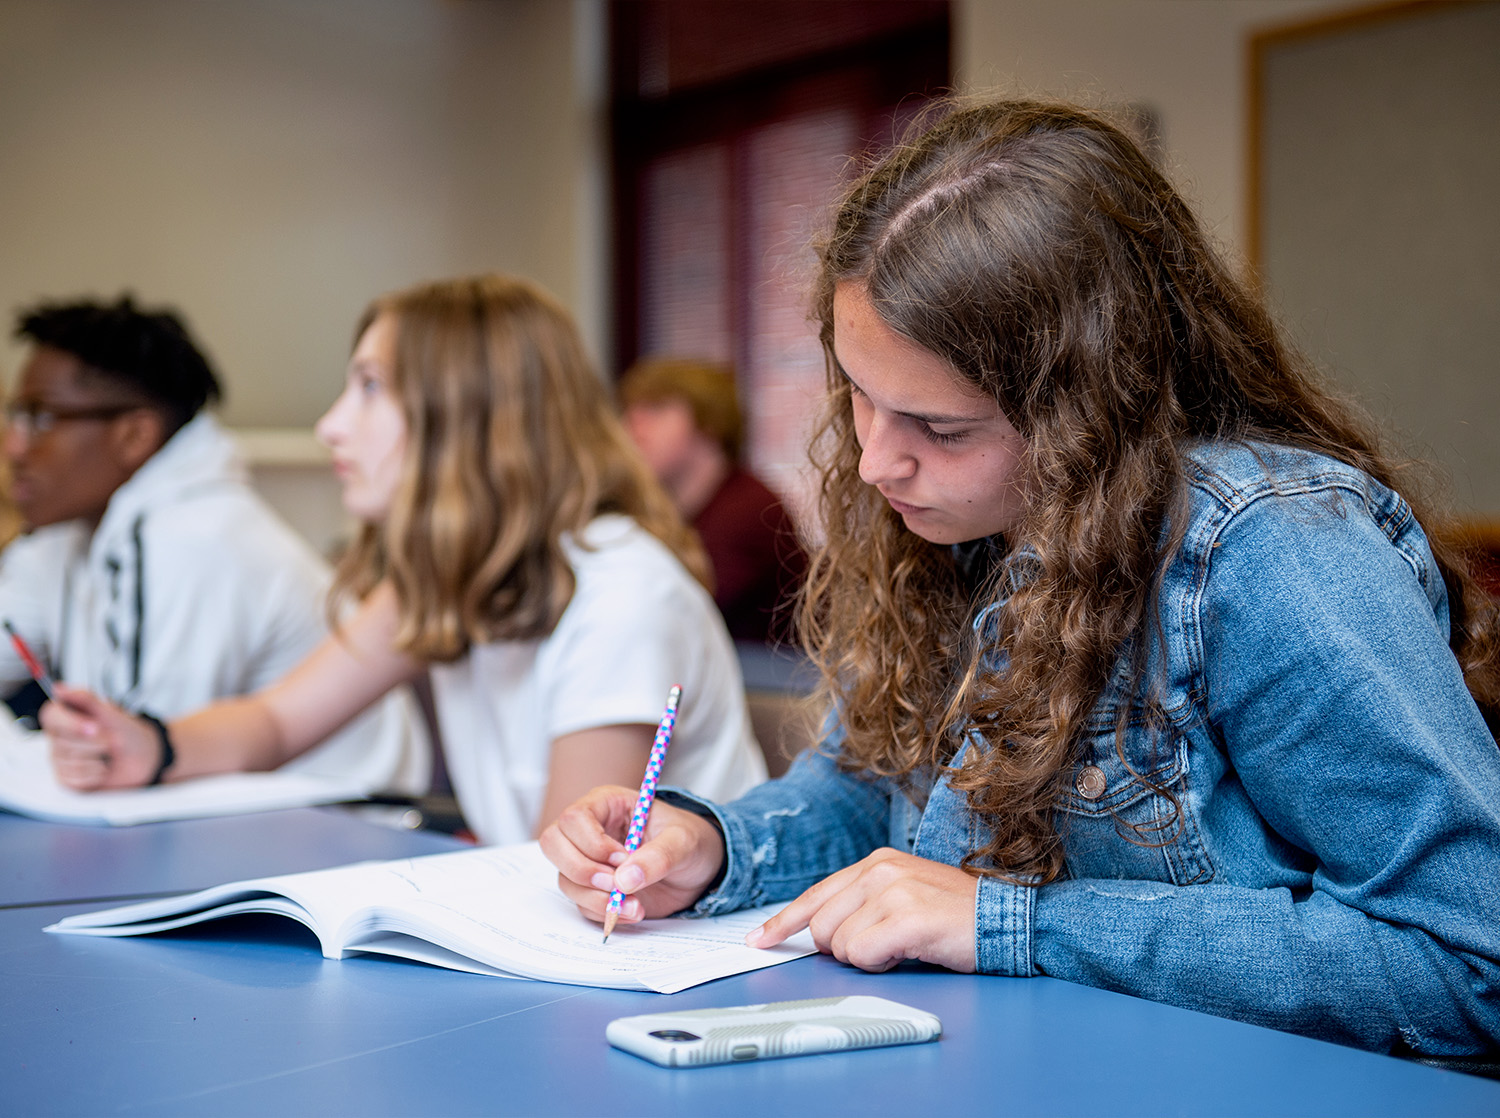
245	1017
42	863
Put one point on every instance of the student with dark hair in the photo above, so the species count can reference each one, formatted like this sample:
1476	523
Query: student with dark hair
151	572
148	355
1142	666
685	418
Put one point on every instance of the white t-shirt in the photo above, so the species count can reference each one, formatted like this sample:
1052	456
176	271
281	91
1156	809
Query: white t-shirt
637	623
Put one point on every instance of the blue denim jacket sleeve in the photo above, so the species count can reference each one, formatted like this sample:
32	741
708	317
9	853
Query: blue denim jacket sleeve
788	834
1328	703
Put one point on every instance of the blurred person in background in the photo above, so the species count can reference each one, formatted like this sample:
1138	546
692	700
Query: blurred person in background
149	570
685	417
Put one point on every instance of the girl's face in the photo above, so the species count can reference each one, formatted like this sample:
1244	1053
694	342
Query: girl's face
944	455
366	427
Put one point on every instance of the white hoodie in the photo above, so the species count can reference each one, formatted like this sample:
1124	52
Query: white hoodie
191	589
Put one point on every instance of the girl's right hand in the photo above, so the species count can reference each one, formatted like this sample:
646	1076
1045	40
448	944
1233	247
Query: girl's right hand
97	745
679	855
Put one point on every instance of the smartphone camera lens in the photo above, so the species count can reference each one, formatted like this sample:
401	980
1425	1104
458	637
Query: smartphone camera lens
674	1034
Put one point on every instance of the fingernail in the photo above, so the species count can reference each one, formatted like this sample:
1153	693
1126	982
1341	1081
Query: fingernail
632	909
755	935
629	879
602	881
616	858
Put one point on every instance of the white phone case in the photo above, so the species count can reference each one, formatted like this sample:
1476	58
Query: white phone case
735	1034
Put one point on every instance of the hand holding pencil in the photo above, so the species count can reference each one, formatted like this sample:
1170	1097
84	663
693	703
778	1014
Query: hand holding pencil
645	799
94	743
663	868
97	745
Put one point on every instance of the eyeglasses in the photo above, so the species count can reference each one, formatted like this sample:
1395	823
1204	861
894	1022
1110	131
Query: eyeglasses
33	418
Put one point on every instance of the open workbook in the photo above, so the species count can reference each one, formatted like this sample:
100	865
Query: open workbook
489	910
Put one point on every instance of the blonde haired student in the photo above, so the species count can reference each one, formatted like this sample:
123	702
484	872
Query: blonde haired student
1144	672
513	542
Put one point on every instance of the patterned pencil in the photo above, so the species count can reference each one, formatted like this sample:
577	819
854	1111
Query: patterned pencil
645	799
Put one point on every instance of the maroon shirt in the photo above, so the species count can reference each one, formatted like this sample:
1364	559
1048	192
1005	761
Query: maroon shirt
757	561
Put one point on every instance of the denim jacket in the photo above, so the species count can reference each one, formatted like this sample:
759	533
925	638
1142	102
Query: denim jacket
1335	867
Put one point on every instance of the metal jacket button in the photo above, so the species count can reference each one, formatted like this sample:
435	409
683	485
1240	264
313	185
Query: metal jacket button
1091	783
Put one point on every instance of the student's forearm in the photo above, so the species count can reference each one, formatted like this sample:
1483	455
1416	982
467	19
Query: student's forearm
233	735
1309	965
338	680
786	835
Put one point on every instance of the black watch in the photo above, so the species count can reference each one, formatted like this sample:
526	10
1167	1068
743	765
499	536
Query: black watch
168	754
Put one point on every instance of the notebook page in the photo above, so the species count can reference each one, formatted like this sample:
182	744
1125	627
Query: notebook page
501	906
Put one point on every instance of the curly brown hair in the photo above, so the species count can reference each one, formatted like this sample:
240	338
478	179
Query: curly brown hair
512	442
1035	248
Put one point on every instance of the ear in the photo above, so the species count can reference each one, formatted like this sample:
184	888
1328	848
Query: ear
137	435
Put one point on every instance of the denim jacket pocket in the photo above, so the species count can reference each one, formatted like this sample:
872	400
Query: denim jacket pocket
1130	817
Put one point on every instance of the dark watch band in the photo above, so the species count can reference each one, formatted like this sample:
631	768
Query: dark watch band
168	754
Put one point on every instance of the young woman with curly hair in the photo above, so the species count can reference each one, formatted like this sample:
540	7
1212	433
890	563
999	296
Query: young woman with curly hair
1143	670
514	542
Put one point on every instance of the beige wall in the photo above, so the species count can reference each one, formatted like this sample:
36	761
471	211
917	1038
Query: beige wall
1360	302
1187	59
269	165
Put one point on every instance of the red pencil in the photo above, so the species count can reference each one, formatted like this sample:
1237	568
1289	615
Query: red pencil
33	665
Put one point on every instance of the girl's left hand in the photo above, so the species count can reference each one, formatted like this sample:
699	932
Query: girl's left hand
96	744
883	910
